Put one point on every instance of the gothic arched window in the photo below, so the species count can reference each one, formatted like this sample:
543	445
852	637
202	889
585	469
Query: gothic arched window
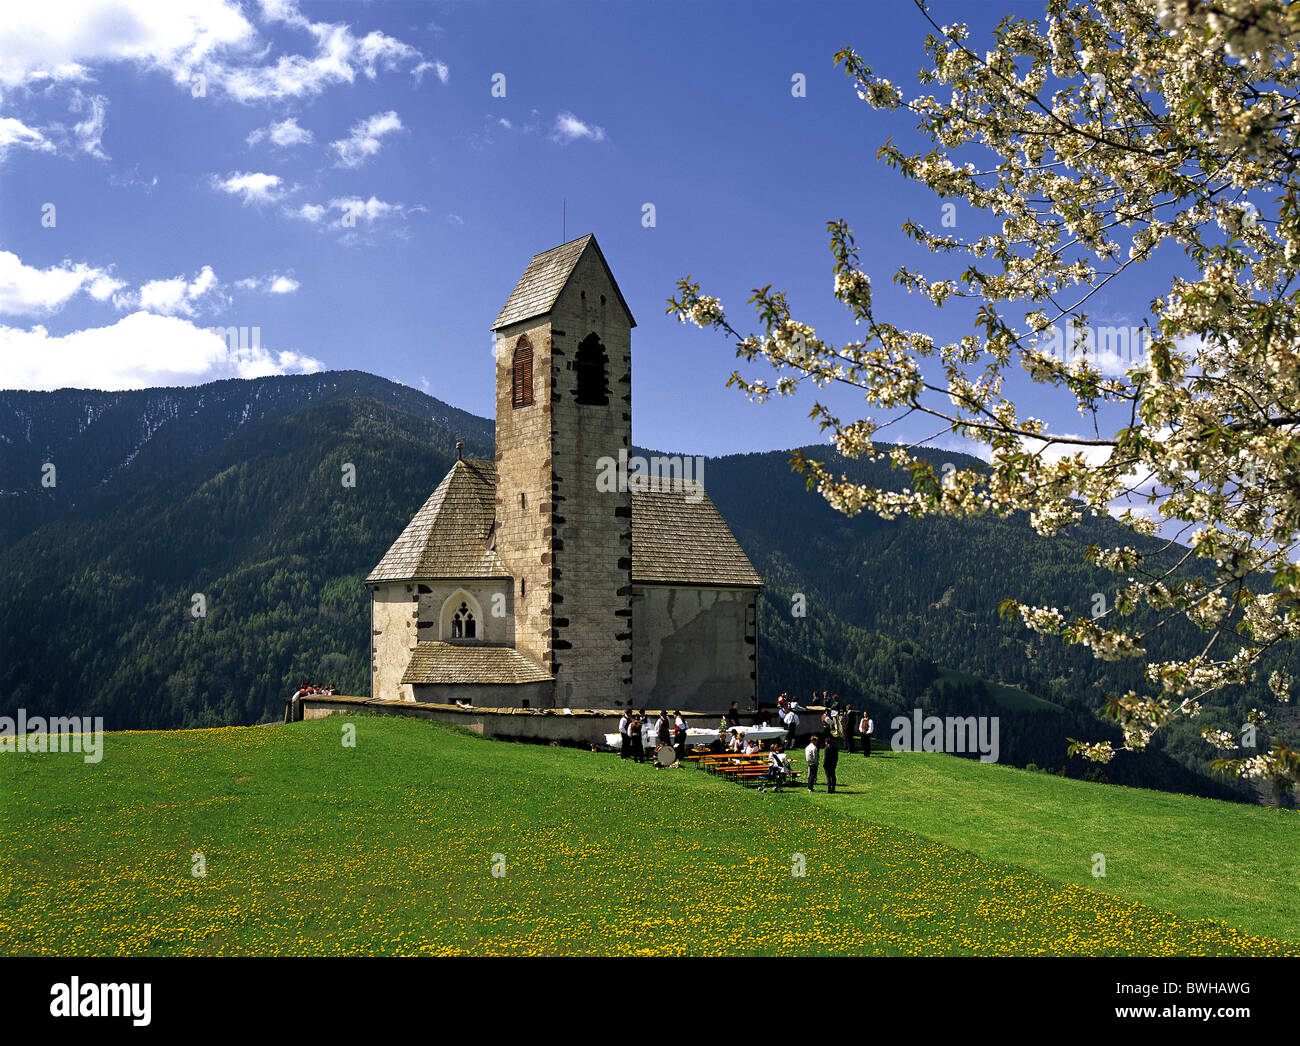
462	623
592	366
522	384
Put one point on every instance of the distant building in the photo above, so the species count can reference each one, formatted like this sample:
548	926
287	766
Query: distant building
536	580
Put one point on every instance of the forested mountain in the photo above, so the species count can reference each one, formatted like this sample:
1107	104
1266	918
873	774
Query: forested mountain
233	492
106	442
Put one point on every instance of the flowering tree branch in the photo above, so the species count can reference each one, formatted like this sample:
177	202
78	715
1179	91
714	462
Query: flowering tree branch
1123	127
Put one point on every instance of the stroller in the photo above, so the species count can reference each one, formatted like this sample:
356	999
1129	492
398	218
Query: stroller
778	772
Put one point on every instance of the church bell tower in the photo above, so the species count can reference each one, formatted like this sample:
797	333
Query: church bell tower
564	406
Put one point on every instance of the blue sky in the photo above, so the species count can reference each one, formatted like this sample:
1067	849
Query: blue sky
201	156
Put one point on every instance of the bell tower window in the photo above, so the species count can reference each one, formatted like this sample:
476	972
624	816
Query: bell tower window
592	366
522	383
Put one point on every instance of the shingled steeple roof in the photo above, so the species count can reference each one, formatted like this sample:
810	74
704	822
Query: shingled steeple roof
449	538
544	279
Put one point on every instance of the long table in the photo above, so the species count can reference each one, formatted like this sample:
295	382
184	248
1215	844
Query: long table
697	736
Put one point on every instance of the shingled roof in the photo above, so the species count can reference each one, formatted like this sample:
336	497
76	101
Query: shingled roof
448	538
676	541
433	663
543	280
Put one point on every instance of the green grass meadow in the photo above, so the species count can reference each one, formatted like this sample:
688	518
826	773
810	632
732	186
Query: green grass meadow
425	840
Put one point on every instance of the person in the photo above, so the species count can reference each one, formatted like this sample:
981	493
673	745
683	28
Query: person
625	740
737	742
791	722
811	755
634	729
777	767
829	762
733	714
751	747
849	726
866	728
662	732
679	725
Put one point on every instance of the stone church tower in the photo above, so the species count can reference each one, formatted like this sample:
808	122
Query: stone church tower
533	582
564	401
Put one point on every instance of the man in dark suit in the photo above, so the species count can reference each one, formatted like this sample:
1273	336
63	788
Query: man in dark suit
830	759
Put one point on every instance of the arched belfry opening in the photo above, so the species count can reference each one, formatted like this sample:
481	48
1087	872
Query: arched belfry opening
592	366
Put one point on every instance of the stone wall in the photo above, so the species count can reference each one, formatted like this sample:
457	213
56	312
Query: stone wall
434	620
537	695
394	613
584	727
694	647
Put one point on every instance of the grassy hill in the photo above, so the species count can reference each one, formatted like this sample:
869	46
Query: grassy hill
388	847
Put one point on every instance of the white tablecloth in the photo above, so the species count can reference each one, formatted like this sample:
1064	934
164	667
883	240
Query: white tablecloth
695	736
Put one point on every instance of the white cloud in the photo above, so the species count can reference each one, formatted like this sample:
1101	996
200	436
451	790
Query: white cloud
15	133
177	295
276	284
90	131
284	134
66	40
28	291
61	39
253	186
439	69
568	128
138	351
364	139
352	209
338	57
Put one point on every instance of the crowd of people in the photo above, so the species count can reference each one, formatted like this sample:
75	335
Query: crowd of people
293	705
839	725
634	726
840	722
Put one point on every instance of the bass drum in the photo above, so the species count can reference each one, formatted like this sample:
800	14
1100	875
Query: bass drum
665	755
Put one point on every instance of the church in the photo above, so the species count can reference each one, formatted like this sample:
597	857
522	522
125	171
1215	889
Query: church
532	581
